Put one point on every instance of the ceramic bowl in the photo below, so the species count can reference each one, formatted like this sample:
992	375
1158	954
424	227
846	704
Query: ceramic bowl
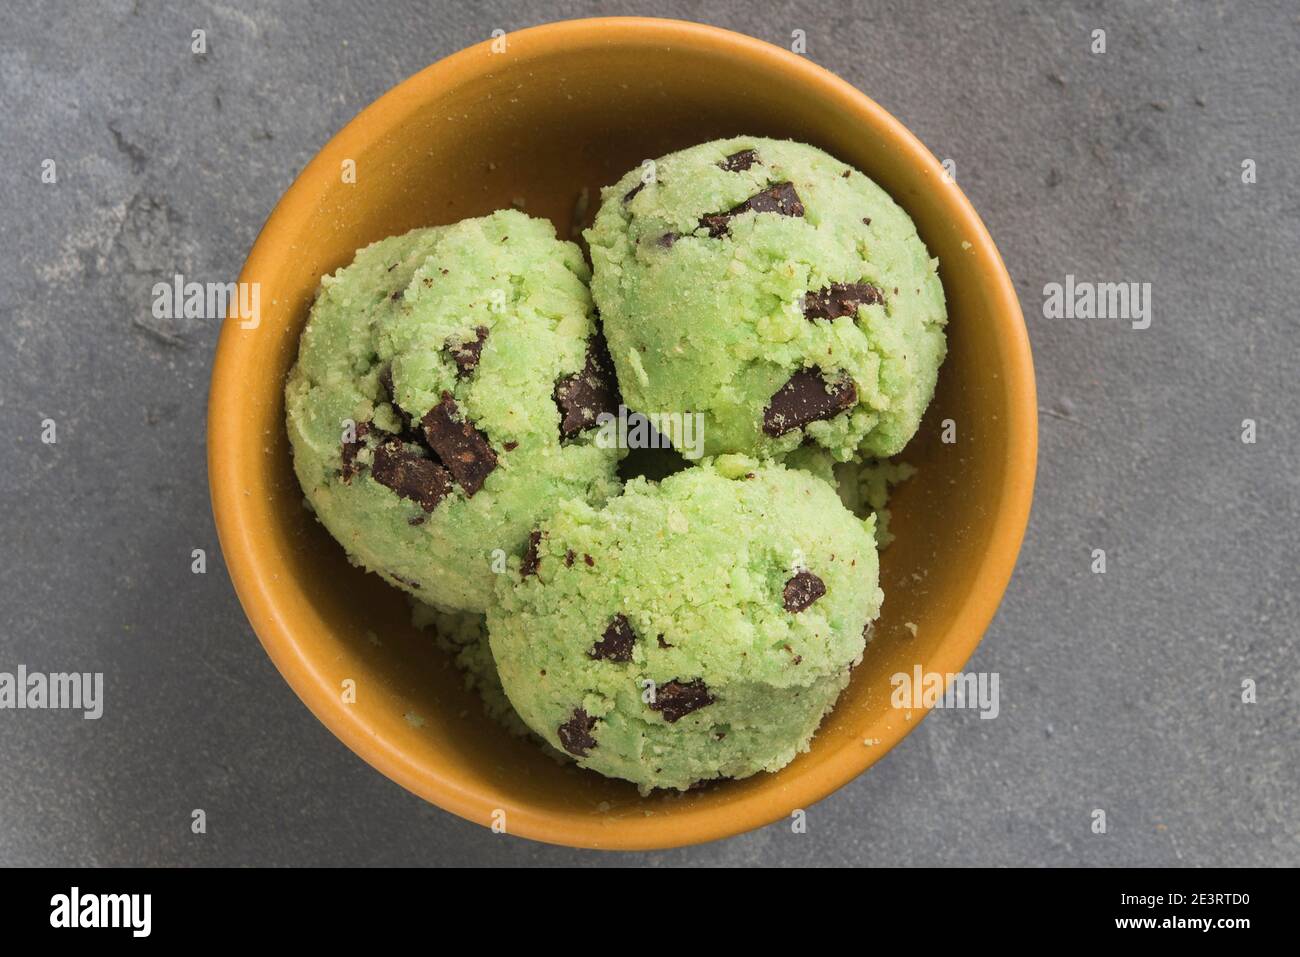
533	120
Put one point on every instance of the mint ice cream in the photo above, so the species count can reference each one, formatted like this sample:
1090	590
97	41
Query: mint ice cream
694	629
774	289
445	397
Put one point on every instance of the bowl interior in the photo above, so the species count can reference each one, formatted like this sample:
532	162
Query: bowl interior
567	109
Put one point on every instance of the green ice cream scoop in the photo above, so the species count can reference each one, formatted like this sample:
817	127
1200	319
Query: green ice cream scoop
445	397
776	291
693	629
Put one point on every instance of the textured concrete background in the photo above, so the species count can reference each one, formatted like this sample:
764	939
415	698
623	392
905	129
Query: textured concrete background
1119	691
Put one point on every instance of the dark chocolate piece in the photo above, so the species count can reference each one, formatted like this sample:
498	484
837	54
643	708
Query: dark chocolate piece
466	354
716	223
575	734
616	643
737	162
627	197
410	474
529	563
801	591
461	447
780	198
581	397
840	299
807	397
676	699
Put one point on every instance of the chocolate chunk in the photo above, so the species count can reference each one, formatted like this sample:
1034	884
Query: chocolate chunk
462	448
529	563
582	396
666	240
676	699
662	643
415	521
780	199
410	474
627	197
616	643
396	296
737	162
807	397
575	734
349	452
801	591
568	558
466	354
840	299
716	223
510	446
403	581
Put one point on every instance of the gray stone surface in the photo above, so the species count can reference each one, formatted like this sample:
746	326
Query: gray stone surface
1119	691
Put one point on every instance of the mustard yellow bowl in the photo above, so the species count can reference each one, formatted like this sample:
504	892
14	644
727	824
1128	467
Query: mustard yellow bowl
536	117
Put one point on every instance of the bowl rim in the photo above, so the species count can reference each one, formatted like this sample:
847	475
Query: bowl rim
253	574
